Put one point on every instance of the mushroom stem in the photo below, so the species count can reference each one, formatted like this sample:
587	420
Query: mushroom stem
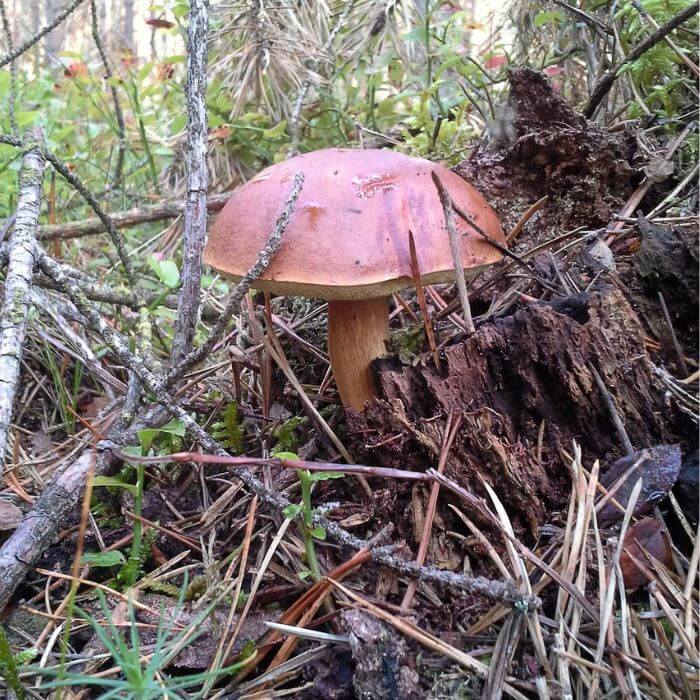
357	331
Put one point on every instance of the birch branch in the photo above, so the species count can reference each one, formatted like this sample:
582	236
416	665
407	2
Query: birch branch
195	234
20	270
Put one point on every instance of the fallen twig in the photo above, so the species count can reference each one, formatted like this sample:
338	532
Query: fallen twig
21	251
169	209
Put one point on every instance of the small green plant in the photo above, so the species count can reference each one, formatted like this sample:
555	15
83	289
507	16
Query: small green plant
657	72
9	666
229	430
286	434
304	510
143	676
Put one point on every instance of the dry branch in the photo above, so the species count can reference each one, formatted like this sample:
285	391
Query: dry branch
195	234
21	251
170	209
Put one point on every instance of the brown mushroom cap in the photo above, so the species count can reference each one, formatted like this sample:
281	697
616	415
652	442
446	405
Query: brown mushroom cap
348	235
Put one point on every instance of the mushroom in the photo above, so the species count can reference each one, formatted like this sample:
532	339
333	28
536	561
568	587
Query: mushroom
347	242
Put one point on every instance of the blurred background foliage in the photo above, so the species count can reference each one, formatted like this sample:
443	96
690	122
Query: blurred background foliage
424	77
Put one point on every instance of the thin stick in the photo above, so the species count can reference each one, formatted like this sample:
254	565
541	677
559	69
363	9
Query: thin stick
22	247
614	413
12	96
420	294
450	432
674	338
455	246
531	211
40	34
118	114
195	233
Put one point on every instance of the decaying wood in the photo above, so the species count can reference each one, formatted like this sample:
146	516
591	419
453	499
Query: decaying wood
20	270
48	514
507	379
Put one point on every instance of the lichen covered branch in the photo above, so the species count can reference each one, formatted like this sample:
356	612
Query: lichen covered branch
22	247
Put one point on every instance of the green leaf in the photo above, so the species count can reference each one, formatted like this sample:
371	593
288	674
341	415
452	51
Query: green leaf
303	575
114	483
26	118
166	271
545	17
104	559
286	455
318	532
276	131
146	436
326	476
292	511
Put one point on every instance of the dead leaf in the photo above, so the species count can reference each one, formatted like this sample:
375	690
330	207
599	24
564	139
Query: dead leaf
643	539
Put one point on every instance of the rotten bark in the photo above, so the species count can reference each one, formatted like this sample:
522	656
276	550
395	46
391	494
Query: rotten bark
526	389
195	233
20	270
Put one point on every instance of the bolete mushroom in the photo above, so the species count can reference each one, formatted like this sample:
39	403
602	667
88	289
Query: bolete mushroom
347	242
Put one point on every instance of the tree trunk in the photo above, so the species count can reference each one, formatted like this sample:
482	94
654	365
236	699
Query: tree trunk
128	25
54	39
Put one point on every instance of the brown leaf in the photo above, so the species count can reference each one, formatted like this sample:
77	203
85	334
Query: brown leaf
158	23
643	539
